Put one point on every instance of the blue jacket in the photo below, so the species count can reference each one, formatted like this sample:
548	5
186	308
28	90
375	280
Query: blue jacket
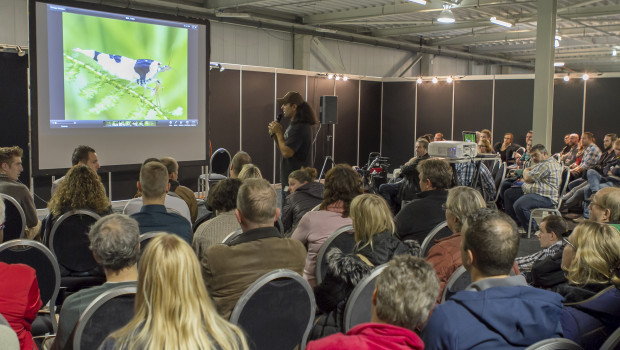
507	316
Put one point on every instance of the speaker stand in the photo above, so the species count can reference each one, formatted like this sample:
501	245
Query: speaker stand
325	164
329	149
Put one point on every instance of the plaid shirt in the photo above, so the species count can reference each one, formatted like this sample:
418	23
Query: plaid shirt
525	262
465	174
547	176
590	157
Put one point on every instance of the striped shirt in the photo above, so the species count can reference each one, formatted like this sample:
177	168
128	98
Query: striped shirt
465	173
591	156
526	262
546	176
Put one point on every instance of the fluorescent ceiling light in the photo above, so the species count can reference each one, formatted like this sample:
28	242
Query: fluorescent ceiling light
232	15
614	52
421	2
500	22
558	64
446	15
566	77
326	30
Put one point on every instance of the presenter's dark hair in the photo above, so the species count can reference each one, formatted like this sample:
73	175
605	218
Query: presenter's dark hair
80	154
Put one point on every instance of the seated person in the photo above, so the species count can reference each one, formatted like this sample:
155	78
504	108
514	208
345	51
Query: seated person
223	200
394	318
10	169
342	184
229	269
19	298
306	193
240	159
80	189
484	147
445	254
173	309
185	193
496	311
375	244
84	155
172	201
465	176
550	237
407	188
114	241
250	171
416	219
590	157
592	261
153	215
507	148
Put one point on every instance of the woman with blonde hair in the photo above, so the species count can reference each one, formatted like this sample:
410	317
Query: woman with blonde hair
250	171
591	259
484	146
173	309
375	244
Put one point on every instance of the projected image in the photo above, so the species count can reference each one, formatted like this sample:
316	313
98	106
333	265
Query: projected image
123	70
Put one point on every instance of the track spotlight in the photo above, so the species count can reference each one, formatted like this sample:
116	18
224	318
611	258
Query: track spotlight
330	76
435	80
419	81
449	80
585	76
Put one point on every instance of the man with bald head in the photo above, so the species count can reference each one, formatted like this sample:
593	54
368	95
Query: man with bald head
570	156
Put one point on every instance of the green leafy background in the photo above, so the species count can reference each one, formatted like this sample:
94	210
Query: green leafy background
89	96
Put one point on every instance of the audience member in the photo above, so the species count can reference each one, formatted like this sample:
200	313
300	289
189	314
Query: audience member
172	201
496	311
528	136
609	175
342	184
591	155
539	189
401	301
507	148
427	137
153	215
375	244
445	254
485	134
185	193
81	189
550	236
223	200
306	194
10	169
84	155
484	147
114	241
416	219
173	309
570	156
605	206
250	171
567	146
240	159
438	137
230	268
592	309
407	188
467	172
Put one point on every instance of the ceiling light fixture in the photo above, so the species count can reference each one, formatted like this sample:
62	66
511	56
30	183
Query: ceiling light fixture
449	80
566	77
337	77
500	22
614	52
20	52
232	15
345	78
330	76
558	64
585	76
326	30
446	15
558	38
435	80
419	81
421	2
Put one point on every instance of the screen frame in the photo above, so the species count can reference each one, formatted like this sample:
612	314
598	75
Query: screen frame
33	86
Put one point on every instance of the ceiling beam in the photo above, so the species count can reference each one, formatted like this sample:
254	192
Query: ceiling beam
223	4
436	27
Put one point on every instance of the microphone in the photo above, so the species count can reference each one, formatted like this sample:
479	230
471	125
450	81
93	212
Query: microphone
279	117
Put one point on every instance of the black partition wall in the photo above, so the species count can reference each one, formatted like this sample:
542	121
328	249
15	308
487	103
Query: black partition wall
567	110
602	106
370	119
435	109
398	122
345	133
473	109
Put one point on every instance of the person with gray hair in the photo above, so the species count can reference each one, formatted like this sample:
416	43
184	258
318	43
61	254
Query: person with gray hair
115	243
230	268
496	311
403	296
153	215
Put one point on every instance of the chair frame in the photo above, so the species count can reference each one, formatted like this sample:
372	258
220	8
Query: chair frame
20	210
149	235
502	167
455	276
95	305
232	236
52	258
318	271
612	341
204	178
357	291
262	281
546	211
431	237
555	343
64	217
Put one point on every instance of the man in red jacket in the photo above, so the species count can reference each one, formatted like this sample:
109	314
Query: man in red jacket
403	297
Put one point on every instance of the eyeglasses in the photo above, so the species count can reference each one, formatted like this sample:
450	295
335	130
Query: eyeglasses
594	203
569	243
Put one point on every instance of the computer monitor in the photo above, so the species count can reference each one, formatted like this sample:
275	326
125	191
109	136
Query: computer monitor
469	136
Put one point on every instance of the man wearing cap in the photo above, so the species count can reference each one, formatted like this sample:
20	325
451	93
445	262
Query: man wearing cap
295	143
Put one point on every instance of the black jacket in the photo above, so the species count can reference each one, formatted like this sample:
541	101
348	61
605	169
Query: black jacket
411	181
547	273
299	203
416	219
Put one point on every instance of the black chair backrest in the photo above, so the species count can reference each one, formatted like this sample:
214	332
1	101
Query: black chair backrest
210	215
231	236
276	311
145	238
500	176
109	312
440	231
359	306
613	341
220	162
563	185
14	219
37	256
342	239
69	240
555	344
459	280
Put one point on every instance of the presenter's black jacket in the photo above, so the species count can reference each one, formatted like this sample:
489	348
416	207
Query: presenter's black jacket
298	137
